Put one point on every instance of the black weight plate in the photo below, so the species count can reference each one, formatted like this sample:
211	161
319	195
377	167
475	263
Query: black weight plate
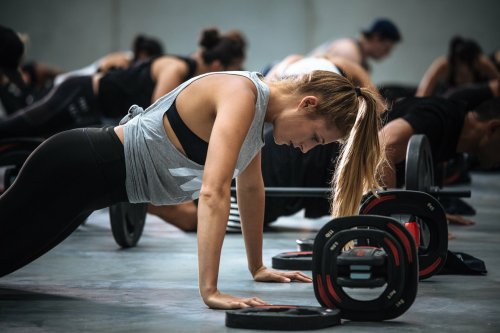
127	222
297	260
283	318
305	244
419	171
394	273
431	217
405	251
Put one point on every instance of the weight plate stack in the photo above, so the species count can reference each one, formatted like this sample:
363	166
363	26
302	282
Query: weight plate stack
390	265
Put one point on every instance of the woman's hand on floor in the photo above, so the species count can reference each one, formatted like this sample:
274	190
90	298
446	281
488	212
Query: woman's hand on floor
264	274
218	300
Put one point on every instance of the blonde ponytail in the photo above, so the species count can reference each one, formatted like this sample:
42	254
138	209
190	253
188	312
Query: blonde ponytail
360	158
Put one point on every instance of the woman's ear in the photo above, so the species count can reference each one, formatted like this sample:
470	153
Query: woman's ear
309	103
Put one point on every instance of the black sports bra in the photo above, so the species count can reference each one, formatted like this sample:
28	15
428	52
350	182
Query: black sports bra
195	148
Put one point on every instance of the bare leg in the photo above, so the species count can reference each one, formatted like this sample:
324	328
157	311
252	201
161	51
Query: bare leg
183	216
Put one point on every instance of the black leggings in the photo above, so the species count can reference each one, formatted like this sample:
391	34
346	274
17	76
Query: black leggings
66	178
69	105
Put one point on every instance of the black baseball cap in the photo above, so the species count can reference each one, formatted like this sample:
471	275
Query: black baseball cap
385	28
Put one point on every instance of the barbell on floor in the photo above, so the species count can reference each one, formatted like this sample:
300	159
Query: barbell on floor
325	192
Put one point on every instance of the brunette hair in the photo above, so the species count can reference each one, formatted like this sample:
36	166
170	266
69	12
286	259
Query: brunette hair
227	48
466	51
150	47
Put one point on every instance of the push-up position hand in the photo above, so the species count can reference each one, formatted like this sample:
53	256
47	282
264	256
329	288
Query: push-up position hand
218	300
264	274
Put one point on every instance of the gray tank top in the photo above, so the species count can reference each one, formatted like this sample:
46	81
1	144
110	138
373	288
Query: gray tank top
156	171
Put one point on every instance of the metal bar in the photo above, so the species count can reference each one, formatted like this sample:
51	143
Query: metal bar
298	192
450	193
325	192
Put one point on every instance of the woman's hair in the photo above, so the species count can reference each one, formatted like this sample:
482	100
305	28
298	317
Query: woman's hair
228	48
144	46
356	113
465	51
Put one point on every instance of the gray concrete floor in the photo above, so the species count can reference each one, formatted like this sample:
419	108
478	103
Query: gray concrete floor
88	284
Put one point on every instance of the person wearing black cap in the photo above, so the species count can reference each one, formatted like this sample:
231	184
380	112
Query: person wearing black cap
375	42
12	87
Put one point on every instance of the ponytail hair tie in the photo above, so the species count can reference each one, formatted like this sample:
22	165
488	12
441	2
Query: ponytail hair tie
358	91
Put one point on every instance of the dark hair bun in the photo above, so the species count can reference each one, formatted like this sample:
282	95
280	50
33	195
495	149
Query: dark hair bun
209	38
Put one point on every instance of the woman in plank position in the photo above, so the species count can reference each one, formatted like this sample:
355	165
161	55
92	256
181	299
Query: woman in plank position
190	144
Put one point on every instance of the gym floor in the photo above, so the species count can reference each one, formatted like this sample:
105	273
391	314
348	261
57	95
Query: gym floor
88	284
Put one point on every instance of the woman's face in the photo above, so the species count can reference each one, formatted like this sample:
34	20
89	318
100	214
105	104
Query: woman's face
381	48
302	131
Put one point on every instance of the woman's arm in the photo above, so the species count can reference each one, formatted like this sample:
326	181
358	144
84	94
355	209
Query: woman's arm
250	192
395	136
436	72
488	69
353	70
234	102
168	73
115	60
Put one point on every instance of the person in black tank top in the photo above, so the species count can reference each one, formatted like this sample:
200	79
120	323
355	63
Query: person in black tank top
122	88
105	98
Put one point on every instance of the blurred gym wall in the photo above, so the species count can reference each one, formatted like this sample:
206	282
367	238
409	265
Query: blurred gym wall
74	33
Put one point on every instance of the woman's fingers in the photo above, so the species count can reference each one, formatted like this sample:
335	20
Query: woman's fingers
247	302
289	276
298	276
238	305
255	301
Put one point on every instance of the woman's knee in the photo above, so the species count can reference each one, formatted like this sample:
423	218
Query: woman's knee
183	216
